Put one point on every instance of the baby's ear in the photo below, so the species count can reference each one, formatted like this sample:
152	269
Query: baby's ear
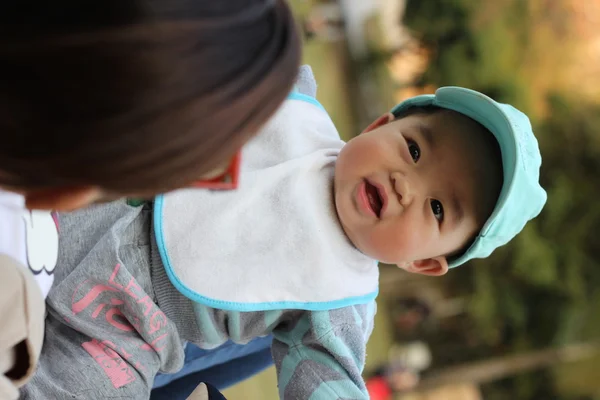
436	266
384	119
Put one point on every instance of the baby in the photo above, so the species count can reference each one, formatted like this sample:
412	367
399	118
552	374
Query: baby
293	251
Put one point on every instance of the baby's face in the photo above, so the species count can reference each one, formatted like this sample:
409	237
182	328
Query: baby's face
416	189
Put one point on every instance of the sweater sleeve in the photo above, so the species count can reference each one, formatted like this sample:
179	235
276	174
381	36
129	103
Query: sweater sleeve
321	354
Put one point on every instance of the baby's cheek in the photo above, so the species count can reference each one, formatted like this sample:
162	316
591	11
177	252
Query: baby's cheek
367	151
386	247
406	243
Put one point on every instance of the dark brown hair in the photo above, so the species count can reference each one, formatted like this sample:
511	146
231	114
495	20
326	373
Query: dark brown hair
425	110
137	97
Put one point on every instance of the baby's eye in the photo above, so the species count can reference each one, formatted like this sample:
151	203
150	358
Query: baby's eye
414	150
438	210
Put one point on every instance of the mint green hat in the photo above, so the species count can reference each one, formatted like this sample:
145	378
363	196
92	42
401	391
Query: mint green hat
521	198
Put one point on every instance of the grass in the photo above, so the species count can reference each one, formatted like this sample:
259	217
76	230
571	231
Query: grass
380	71
329	64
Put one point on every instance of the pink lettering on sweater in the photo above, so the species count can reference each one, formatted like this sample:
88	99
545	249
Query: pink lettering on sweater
127	310
117	369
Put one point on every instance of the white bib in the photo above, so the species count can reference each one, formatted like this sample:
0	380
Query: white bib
276	242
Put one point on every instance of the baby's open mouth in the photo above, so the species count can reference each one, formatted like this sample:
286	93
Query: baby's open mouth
374	197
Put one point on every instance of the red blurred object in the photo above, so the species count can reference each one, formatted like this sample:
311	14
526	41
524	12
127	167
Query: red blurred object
379	389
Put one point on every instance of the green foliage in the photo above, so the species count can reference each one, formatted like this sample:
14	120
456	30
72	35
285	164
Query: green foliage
484	56
534	261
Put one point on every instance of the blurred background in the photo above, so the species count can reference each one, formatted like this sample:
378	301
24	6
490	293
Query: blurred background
525	323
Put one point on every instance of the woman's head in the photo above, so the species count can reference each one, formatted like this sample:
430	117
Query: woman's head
136	97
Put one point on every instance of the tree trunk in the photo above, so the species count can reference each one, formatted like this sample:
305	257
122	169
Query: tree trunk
496	368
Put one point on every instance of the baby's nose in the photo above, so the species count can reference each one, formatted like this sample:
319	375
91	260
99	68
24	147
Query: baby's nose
402	188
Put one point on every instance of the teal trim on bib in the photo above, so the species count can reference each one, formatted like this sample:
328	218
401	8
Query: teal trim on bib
303	97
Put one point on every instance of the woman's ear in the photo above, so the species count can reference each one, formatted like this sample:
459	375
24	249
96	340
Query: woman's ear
62	199
384	119
436	266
